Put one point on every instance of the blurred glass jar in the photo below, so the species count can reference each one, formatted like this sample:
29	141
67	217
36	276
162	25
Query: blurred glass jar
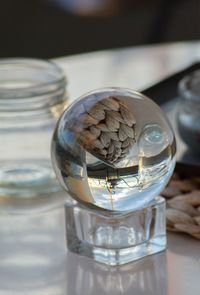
189	110
32	97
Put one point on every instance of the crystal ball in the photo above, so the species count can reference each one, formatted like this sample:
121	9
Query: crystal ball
113	149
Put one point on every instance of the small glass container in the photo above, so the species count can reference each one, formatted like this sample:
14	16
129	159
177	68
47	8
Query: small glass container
188	116
32	96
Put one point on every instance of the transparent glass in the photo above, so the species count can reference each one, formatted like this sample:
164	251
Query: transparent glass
116	239
113	150
189	110
32	97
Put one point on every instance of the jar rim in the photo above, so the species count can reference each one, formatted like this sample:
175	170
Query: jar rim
51	76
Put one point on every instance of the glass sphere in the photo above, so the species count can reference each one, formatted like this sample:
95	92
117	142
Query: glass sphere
113	149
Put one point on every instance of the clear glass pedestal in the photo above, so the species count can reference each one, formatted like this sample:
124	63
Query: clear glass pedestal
116	239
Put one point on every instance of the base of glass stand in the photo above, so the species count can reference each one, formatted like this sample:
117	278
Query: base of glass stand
116	239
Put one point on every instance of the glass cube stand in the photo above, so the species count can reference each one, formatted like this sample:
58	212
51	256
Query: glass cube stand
116	239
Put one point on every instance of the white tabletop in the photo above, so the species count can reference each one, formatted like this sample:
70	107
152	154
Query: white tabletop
33	255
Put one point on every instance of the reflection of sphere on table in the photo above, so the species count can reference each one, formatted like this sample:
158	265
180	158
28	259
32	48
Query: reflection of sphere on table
113	148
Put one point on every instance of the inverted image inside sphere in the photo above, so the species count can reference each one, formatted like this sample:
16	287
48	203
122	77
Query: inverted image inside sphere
113	149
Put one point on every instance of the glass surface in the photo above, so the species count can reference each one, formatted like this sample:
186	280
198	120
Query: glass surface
32	96
117	240
113	149
189	110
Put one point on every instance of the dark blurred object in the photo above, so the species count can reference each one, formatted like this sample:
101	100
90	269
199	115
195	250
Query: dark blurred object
49	28
89	7
187	170
165	94
166	89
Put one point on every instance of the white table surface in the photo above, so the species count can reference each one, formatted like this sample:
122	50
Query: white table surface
33	256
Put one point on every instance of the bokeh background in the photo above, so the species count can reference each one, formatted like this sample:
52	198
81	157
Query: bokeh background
51	28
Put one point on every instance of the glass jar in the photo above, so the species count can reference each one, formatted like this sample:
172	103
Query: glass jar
32	97
189	110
